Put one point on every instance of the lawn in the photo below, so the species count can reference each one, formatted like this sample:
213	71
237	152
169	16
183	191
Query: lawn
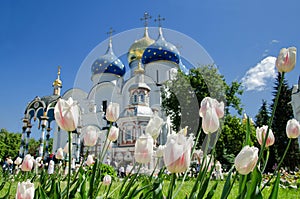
185	190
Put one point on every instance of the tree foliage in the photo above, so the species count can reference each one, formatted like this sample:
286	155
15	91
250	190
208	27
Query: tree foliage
9	144
233	132
263	116
182	96
283	113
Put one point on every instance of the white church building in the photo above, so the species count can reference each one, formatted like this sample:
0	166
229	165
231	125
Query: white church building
151	63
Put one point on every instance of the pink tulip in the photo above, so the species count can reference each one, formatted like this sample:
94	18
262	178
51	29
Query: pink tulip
107	180
292	128
177	153
210	111
25	190
112	112
66	114
246	160
113	134
59	154
261	134
91	136
286	59
154	126
90	160
144	149
27	163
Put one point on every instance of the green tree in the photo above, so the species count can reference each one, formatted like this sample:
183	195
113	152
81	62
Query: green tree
263	116
182	96
9	144
283	113
233	132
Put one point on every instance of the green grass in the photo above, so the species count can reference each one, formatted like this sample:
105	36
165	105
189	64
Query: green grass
185	190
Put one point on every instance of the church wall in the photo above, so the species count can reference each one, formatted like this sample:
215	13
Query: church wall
159	71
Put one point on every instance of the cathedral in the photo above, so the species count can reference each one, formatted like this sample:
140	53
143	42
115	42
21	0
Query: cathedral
151	62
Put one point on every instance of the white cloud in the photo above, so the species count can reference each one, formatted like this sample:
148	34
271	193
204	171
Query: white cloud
274	41
256	77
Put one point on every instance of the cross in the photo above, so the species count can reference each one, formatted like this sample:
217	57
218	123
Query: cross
58	71
145	18
110	32
159	19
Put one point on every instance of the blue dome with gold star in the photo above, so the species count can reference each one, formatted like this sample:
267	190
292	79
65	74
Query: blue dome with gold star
108	63
161	50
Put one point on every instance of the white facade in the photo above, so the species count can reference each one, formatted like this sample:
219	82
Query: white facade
139	97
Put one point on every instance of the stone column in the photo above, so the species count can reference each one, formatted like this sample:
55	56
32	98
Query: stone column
78	143
28	137
47	141
43	124
24	127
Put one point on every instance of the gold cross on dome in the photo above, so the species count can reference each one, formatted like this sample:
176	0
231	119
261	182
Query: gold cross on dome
159	19
146	18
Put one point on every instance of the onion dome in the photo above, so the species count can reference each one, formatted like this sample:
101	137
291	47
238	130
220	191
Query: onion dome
161	50
108	63
137	49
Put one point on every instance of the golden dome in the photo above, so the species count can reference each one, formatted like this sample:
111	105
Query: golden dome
137	49
57	82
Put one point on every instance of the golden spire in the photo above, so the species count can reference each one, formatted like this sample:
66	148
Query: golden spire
57	84
136	50
139	69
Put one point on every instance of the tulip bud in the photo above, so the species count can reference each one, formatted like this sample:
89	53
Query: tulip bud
59	154
90	160
246	160
25	190
113	133
66	114
112	112
210	111
154	126
286	59
91	136
177	153
27	163
292	128
66	148
261	134
51	167
107	180
143	149
18	161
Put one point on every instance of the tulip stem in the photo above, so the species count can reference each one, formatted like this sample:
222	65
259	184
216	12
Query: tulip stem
278	166
171	186
271	119
69	166
266	161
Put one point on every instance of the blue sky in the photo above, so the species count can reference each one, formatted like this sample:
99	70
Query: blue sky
242	37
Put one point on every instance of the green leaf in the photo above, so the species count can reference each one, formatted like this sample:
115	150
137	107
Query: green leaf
274	192
228	185
42	194
83	191
7	194
252	185
212	191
